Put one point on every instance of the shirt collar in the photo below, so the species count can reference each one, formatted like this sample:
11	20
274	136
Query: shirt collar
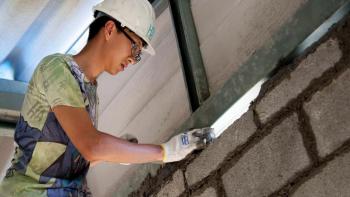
76	68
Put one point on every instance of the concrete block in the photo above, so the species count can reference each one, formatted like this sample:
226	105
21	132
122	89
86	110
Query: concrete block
333	180
209	192
329	114
269	164
174	187
211	157
326	55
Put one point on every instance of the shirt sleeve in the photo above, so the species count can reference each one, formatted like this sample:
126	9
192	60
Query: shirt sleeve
57	83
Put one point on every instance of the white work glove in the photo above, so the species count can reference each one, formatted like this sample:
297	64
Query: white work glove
179	146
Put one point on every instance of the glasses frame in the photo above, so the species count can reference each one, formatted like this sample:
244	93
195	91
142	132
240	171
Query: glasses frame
136	52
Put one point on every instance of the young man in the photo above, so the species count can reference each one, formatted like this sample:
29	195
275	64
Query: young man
57	132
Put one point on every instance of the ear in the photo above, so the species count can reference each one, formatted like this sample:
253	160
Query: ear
108	29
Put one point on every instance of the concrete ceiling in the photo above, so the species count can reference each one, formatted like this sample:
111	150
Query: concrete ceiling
31	30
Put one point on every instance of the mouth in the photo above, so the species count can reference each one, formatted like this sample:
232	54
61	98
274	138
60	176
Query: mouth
123	66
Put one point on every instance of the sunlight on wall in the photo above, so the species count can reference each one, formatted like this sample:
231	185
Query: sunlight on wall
237	109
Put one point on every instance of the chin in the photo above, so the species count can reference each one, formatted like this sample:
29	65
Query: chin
111	72
115	72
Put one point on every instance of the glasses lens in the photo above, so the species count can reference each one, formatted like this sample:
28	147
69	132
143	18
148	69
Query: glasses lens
136	52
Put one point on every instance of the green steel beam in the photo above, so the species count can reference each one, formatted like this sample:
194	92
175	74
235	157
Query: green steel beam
194	71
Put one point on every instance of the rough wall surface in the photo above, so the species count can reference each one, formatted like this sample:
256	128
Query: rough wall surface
294	140
236	29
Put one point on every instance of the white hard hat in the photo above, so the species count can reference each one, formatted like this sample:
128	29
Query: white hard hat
136	15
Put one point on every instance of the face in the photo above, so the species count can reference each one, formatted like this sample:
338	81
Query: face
120	49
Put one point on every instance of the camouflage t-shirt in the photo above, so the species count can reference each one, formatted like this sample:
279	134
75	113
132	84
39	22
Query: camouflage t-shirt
46	163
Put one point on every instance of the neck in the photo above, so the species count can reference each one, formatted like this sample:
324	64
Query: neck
88	59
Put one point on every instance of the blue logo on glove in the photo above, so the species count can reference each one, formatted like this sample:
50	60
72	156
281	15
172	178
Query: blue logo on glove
184	139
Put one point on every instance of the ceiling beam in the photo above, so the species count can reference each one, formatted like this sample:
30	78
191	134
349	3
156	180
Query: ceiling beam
11	99
7	129
193	67
12	94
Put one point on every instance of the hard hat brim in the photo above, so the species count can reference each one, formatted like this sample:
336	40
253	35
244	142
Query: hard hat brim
149	49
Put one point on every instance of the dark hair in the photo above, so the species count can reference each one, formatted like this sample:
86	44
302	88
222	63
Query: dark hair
100	22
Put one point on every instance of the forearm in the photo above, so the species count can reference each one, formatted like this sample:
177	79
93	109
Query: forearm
113	149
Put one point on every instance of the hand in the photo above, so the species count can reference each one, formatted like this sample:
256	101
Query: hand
179	146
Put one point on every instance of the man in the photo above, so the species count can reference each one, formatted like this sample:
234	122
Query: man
57	132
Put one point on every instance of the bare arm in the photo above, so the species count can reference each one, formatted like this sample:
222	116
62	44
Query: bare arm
96	146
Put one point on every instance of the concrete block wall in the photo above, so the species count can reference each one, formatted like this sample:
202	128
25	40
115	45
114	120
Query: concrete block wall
294	140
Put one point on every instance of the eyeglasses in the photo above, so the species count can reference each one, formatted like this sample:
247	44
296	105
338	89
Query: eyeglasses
135	49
